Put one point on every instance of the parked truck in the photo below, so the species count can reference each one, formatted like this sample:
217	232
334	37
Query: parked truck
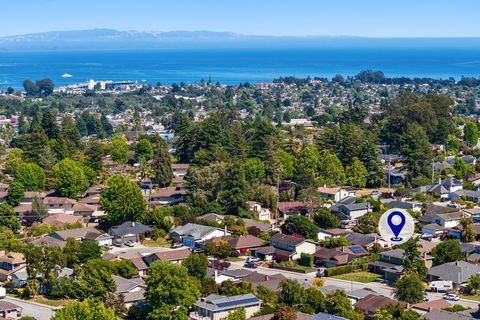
441	286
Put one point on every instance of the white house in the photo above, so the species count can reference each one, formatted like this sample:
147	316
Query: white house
448	220
335	194
216	307
293	246
324	234
192	233
262	214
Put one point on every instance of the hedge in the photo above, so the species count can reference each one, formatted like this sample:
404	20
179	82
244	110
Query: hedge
306	260
330	272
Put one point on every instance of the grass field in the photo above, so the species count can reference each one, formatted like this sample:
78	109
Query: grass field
362	276
156	243
50	302
474	298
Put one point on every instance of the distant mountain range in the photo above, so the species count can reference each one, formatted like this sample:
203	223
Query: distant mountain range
109	39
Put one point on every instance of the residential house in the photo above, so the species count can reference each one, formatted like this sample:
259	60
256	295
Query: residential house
324	316
244	243
132	290
261	213
365	240
295	246
414	206
20	278
135	257
167	196
180	169
216	307
438	314
443	188
334	194
469	195
371	303
456	232
331	233
28	196
10	311
298	316
359	294
84	210
94	190
59	205
10	263
263	226
130	231
61	219
390	265
350	211
458	272
192	234
424	307
290	208
432	230
448	220
173	256
3	187
82	234
334	257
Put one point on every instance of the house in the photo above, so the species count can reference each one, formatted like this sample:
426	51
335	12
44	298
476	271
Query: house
443	188
361	239
448	220
469	195
9	310
456	232
10	263
433	230
290	208
334	257
61	219
324	316
438	314
133	231
371	303
59	205
358	294
20	278
334	194
82	234
263	226
294	245
94	190
216	307
458	272
173	256
28	196
84	210
244	243
350	211
180	169
212	217
134	257
298	316
167	196
132	290
192	233
331	233
390	265
424	307
263	214
414	206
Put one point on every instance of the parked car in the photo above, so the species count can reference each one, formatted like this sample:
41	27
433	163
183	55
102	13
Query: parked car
451	297
252	265
453	205
129	243
253	259
118	243
196	250
177	245
320	272
375	193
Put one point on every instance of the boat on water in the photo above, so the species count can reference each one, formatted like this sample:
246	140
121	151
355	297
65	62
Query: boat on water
67	75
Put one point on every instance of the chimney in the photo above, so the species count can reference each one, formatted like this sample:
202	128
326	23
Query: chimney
216	274
439	180
225	231
133	224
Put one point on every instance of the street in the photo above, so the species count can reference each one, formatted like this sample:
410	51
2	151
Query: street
35	310
348	286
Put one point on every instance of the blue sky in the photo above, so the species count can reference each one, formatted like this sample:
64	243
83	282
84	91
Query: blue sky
372	18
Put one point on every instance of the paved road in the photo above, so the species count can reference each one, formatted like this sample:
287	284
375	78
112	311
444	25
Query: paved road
138	249
39	312
379	288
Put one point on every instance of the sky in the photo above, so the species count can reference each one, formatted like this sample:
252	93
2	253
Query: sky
369	18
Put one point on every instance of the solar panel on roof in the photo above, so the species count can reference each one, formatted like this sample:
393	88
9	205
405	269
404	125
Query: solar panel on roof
236	302
356	249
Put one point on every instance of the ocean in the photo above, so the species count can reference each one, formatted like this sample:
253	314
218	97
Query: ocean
234	66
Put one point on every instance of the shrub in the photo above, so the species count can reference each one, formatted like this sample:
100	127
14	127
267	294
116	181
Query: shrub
330	272
306	260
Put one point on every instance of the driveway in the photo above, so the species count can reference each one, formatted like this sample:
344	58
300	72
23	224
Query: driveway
38	311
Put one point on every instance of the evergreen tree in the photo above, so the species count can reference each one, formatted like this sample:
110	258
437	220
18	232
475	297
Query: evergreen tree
233	196
49	124
161	164
356	174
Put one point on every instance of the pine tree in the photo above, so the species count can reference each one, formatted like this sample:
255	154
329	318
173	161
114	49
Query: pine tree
161	164
233	195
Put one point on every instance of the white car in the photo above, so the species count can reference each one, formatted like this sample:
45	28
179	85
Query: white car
451	297
253	259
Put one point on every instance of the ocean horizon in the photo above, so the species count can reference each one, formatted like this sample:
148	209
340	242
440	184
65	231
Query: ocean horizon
230	66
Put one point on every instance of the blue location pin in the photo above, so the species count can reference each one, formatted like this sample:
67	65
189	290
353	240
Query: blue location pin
396	228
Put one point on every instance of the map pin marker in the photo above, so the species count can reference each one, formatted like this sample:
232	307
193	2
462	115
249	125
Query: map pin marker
396	228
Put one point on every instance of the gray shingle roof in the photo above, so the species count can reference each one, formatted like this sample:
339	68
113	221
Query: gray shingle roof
457	272
218	303
193	230
129	227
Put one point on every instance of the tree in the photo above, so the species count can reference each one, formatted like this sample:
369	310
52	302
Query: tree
95	152
144	149
313	301
49	124
88	250
396	312
196	265
254	169
416	149
338	303
31	176
290	292
122	200
30	88
461	168
285	313
170	291
413	259
234	190
7	217
357	174
470	133
409	288
14	159
123	268
237	314
285	163
473	284
39	208
119	149
116	302
368	223
468	234
15	192
71	250
331	169
70	178
335	242
447	251
93	279
301	225
161	164
88	309
46	260
325	219
45	86
308	163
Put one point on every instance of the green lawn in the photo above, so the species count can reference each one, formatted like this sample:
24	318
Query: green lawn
156	243
50	302
467	297
234	259
361	276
